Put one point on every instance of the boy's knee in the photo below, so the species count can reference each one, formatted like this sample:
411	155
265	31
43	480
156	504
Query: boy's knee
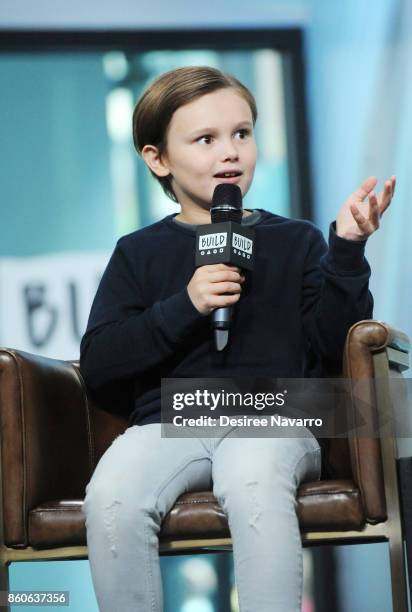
98	494
128	500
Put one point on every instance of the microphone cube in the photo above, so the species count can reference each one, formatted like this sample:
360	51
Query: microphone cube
227	242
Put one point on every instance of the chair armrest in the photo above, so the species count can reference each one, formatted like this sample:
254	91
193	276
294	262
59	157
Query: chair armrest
367	337
45	436
372	350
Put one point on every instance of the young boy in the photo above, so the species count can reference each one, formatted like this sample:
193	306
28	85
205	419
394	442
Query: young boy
149	320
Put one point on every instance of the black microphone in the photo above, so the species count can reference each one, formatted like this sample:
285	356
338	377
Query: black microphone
225	240
226	206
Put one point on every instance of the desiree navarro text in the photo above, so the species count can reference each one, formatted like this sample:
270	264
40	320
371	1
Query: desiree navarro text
245	421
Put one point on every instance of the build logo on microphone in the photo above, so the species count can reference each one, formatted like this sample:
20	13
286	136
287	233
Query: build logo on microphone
241	245
226	242
212	243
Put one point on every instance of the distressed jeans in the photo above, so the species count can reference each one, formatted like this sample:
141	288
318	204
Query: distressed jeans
255	480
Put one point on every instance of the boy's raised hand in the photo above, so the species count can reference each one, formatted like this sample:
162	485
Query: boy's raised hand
214	286
357	219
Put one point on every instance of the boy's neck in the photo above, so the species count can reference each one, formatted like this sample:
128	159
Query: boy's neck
201	217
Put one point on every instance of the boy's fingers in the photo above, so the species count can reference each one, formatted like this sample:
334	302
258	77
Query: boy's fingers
359	218
366	187
374	212
221	266
386	196
224	275
225	287
224	300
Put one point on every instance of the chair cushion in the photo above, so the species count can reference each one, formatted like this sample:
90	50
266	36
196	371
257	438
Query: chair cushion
333	505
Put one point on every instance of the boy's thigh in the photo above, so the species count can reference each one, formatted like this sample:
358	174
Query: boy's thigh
263	459
141	464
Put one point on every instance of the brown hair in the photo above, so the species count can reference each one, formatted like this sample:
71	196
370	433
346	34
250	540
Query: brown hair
173	89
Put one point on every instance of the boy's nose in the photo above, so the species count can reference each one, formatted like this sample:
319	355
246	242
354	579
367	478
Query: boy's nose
230	152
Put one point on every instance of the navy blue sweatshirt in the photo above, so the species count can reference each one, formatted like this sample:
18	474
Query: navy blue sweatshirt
291	320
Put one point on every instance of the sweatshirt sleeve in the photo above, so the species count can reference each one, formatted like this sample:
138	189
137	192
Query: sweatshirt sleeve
335	294
124	337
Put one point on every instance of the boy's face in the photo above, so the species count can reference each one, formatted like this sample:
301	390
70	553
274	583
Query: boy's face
210	135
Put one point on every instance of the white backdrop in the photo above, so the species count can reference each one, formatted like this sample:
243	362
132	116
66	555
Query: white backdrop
46	301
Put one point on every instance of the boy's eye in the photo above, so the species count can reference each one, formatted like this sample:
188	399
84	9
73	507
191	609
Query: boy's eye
207	136
244	132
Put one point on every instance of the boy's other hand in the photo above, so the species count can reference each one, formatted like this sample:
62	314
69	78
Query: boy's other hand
214	286
357	219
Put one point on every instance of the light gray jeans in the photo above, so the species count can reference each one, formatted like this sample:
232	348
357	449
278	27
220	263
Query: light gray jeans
137	482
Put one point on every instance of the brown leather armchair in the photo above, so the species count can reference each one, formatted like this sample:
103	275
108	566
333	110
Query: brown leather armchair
53	435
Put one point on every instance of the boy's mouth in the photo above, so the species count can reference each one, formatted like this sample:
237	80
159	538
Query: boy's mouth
228	174
229	177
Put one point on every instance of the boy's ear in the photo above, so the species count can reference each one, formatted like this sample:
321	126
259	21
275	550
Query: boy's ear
155	161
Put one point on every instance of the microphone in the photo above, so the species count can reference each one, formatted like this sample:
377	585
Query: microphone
226	206
225	240
226	203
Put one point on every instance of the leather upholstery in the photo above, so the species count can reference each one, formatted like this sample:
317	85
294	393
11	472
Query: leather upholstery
54	433
195	515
